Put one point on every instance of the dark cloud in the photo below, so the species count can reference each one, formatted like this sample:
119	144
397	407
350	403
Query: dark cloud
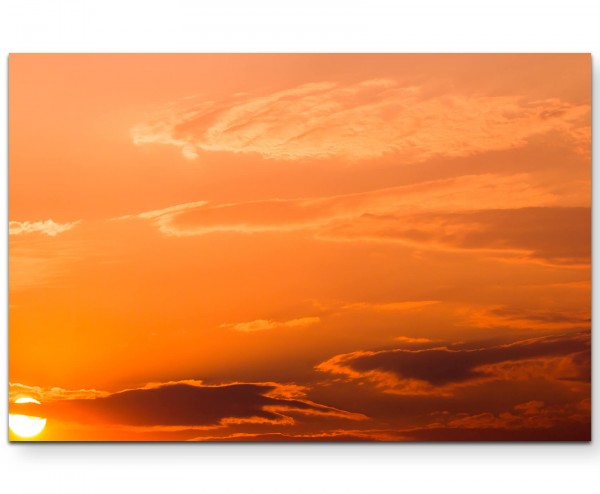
443	366
529	421
568	432
184	405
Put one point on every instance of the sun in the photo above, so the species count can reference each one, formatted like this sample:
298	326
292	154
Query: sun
25	425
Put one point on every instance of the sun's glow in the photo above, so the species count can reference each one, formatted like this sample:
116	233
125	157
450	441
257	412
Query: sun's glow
25	425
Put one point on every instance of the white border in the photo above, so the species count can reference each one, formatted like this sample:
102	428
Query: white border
306	26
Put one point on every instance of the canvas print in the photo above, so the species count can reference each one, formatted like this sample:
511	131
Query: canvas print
299	247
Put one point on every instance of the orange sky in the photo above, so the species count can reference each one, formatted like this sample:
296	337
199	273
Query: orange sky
301	247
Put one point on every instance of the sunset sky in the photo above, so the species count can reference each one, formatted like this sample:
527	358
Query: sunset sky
300	247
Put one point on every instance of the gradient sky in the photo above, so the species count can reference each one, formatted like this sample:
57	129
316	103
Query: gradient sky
301	247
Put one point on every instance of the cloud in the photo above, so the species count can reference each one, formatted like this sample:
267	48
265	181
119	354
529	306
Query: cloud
330	436
188	404
390	306
408	339
47	227
503	217
440	369
558	236
40	256
532	414
529	421
324	215
509	317
164	212
363	120
29	270
18	390
264	324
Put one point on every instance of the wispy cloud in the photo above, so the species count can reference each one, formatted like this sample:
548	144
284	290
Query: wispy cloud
548	235
362	120
470	192
265	324
18	390
498	316
334	435
47	227
41	253
390	306
408	339
504	216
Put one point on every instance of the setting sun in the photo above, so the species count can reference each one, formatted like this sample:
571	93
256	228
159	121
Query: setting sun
26	425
